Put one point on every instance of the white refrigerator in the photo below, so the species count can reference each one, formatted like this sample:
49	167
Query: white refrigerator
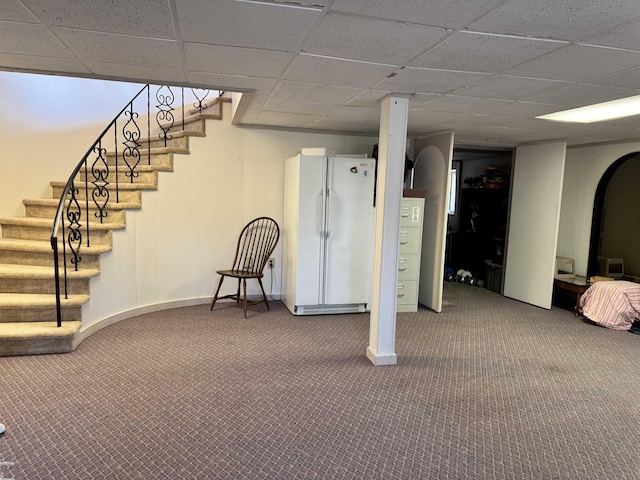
328	234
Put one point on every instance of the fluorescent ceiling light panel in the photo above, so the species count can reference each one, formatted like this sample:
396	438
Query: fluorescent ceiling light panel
599	112
286	5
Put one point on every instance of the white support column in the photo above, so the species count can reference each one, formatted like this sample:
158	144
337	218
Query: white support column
391	155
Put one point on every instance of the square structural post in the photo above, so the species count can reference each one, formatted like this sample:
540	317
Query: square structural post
391	156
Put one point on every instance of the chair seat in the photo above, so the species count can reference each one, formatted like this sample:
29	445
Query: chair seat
239	274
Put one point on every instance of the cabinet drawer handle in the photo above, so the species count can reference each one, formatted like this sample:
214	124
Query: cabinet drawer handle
400	295
404	242
402	269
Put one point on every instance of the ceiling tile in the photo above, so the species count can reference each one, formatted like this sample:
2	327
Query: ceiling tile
525	109
580	94
466	105
235	60
331	71
472	52
533	124
626	79
149	18
30	39
136	72
561	19
623	36
42	64
354	114
358	38
14	11
578	63
510	87
337	125
445	13
292	106
632	123
227	22
600	128
282	119
410	80
425	115
303	91
532	136
369	98
235	83
123	49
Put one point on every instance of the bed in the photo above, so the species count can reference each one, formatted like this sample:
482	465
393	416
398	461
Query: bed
614	304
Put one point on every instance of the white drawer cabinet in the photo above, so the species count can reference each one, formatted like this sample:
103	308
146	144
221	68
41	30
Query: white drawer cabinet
411	217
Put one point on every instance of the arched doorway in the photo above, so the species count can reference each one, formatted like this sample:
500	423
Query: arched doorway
625	169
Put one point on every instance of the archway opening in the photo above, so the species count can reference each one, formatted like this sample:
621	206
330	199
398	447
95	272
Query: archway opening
615	226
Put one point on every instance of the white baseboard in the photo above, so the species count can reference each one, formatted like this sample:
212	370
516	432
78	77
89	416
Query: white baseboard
380	360
84	332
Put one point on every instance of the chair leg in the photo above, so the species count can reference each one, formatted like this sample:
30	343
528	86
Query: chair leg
215	297
238	294
244	284
264	295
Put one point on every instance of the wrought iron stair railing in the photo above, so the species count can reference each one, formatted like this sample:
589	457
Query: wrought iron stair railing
94	183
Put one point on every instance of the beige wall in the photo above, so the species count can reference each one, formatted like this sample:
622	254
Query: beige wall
47	125
584	168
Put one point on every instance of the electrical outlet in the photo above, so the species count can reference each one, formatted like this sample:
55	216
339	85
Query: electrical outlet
272	263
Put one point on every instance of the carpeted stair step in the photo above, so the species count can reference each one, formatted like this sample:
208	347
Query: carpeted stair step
32	307
194	124
161	161
40	280
127	192
34	252
212	108
193	127
145	174
37	337
32	228
178	142
47	208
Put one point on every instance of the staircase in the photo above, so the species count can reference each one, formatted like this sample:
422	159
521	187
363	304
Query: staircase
28	314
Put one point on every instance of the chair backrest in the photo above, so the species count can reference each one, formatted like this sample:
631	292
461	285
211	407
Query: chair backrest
257	242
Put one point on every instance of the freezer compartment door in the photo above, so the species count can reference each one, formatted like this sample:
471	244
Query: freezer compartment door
310	231
350	221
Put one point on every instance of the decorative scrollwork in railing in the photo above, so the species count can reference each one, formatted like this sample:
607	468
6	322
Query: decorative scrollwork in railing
100	172
198	93
131	134
164	117
74	235
94	169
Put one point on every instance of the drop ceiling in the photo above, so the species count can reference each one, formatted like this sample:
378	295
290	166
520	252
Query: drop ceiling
482	69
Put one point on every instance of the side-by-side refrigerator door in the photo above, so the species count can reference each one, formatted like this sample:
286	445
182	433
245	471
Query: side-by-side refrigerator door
350	231
310	230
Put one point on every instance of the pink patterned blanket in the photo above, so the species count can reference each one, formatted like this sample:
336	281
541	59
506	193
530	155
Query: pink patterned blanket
614	304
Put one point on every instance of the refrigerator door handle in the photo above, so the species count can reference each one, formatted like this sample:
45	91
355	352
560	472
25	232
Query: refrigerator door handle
328	222
321	213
